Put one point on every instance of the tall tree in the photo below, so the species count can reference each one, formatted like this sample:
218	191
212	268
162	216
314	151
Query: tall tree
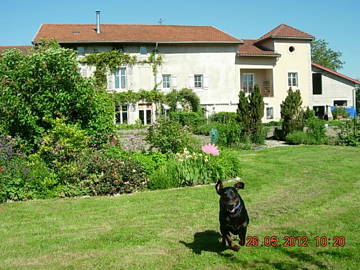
321	54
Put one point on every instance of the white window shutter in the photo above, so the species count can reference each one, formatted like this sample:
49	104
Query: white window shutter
206	82
110	81
129	78
173	81
158	80
191	81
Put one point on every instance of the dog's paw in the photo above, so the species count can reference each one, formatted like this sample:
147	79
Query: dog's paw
235	247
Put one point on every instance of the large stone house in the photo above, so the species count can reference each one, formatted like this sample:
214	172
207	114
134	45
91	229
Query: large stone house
213	63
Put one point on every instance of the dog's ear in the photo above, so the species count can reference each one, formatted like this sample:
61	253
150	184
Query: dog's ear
239	185
219	186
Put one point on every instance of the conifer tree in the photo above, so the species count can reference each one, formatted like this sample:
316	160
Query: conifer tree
291	112
250	112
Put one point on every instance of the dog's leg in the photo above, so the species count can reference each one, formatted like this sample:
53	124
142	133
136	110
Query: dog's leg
226	238
242	236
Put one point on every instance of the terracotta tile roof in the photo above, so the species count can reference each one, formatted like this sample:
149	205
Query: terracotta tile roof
250	49
76	33
25	49
335	73
284	31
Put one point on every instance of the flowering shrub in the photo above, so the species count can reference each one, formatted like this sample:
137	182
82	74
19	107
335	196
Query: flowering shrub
193	168
108	176
210	149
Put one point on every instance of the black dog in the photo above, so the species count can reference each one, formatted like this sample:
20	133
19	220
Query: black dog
233	215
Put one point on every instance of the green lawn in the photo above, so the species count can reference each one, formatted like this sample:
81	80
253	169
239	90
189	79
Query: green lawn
290	191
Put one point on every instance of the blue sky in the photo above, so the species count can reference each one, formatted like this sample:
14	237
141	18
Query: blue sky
333	20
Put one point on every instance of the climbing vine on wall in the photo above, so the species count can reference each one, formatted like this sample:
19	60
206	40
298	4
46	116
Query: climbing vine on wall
111	60
183	97
186	97
105	61
143	95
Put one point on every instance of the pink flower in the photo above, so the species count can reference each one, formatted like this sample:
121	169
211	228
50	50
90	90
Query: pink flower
210	149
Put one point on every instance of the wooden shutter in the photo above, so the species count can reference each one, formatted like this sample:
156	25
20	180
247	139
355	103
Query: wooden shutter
173	81
129	77
191	81
206	82
158	80
110	81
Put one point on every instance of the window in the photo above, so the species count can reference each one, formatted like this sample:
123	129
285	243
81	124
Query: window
145	113
341	103
248	82
317	84
166	78
121	114
291	48
83	71
292	79
143	50
81	51
120	78
269	113
198	81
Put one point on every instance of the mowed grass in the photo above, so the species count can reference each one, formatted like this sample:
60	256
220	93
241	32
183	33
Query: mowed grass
290	191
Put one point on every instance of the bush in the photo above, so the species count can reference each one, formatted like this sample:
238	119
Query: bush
229	134
315	133
224	117
339	112
190	119
109	176
168	136
62	143
292	113
187	169
300	137
349	133
272	123
137	125
150	160
26	178
316	130
46	85
249	113
23	177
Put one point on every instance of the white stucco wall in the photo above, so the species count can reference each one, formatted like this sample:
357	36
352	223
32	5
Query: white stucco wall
221	70
215	62
333	88
297	61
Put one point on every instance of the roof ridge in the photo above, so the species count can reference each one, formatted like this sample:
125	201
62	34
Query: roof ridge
335	72
283	24
276	33
134	24
134	32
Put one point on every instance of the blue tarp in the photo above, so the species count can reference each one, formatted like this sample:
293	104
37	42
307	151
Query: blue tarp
350	110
